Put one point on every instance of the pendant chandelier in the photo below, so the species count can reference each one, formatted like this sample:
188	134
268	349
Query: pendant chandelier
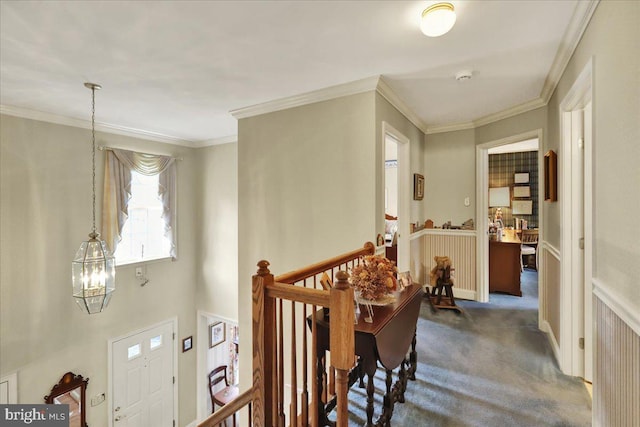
94	267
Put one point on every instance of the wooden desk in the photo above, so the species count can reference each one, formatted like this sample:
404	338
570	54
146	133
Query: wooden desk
387	340
504	264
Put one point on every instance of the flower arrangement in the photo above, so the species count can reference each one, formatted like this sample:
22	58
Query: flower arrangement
374	277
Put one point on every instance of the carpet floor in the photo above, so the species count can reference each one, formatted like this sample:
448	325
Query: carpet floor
490	366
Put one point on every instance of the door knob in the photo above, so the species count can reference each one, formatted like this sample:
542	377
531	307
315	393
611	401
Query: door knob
117	409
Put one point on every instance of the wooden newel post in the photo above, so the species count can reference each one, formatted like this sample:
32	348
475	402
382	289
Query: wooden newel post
342	341
263	347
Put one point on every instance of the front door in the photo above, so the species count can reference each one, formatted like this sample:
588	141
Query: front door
143	378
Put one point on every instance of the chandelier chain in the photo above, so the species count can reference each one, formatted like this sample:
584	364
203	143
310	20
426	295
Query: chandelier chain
93	152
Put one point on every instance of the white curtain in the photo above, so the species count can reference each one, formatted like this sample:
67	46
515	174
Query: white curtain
117	192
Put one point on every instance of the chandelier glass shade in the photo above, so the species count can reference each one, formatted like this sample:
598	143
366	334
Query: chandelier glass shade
437	19
94	268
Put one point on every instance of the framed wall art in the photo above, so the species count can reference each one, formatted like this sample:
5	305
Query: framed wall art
187	344
418	186
216	334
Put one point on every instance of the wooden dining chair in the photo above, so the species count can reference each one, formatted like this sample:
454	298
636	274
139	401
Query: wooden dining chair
529	247
224	395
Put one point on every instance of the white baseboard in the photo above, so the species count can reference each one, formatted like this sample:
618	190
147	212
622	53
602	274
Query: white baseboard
546	328
464	294
193	423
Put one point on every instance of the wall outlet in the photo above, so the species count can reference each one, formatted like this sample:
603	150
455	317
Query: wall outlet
97	399
139	272
467	201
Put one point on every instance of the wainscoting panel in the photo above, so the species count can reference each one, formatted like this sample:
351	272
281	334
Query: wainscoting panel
419	271
460	246
551	290
616	391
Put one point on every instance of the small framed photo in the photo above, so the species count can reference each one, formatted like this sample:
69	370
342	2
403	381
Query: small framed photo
404	280
187	344
418	186
521	191
521	178
216	334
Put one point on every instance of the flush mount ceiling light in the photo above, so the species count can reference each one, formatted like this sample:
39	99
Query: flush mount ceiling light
94	268
437	19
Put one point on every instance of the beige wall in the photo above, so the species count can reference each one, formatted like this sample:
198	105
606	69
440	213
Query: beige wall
217	266
613	41
45	197
306	190
385	112
450	176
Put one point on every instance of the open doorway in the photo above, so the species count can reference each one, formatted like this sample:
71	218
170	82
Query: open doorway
217	345
513	218
394	139
391	198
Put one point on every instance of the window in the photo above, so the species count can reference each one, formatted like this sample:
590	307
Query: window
139	206
143	236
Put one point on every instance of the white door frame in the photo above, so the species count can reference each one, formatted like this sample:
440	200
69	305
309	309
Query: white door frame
404	185
482	209
174	324
202	347
576	297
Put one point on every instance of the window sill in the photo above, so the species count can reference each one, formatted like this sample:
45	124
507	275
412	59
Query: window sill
144	262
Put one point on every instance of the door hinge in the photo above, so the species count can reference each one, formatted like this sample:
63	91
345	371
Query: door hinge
174	336
174	379
581	243
581	343
174	423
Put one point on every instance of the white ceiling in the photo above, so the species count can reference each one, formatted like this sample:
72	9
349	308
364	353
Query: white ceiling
176	69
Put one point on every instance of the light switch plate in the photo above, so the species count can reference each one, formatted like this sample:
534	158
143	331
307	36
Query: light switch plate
138	272
97	399
467	201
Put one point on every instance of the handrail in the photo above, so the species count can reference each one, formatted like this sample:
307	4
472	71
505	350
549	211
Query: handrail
310	296
294	276
229	409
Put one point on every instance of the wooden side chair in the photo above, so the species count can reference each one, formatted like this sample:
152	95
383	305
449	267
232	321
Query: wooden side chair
529	247
225	395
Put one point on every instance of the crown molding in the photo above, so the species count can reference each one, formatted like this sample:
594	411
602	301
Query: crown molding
26	113
229	139
345	89
576	28
510	112
450	128
387	93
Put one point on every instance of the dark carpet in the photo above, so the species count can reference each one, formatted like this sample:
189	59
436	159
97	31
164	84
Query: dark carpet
490	366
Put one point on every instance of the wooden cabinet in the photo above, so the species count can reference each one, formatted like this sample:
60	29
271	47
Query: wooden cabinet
504	264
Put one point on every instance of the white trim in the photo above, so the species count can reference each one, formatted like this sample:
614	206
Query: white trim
617	303
229	139
12	388
450	128
404	184
464	294
345	89
42	116
193	423
482	207
387	93
443	232
572	290
576	28
111	341
546	328
509	112
552	250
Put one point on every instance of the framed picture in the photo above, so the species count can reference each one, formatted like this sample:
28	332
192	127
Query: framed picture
521	191
216	334
404	279
187	344
418	186
521	178
522	207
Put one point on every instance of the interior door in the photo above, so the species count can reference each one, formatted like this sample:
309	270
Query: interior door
143	378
